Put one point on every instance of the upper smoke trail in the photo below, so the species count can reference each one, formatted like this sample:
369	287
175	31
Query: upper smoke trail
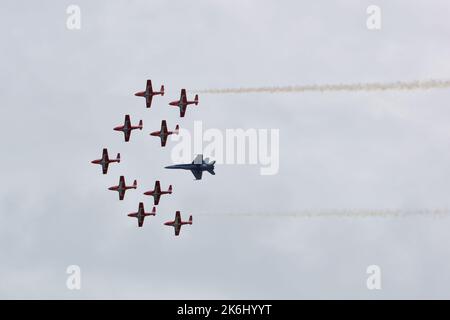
337	214
374	86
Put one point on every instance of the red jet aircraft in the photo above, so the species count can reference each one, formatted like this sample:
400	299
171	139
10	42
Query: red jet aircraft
149	93
127	127
164	133
141	214
177	223
122	187
105	161
183	102
157	193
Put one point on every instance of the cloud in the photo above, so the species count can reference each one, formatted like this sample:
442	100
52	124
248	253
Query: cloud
63	92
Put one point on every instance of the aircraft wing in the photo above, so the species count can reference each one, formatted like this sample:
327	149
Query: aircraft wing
163	140
197	174
177	224
177	229
127	121
121	194
182	110
157	186
163	126
141	208
105	154
140	221
148	101
183	97
156	198
149	88
105	167
127	135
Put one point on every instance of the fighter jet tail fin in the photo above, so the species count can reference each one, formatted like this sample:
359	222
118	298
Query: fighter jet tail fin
141	124
211	170
190	219
170	189
162	90
196	99
135	184
198	159
118	157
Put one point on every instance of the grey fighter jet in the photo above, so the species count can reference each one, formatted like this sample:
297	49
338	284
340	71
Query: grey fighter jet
196	167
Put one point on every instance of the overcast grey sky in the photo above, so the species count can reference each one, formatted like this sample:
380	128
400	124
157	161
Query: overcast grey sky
63	91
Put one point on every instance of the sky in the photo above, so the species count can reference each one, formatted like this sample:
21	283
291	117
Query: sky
62	91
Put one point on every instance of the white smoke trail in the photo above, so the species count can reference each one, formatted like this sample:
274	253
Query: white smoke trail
374	86
435	213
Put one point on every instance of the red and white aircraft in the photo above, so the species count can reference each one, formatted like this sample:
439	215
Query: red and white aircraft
177	223
127	127
105	161
183	102
164	133
157	193
122	187
141	214
149	93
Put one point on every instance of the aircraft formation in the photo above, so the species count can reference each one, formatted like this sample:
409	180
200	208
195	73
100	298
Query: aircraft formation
196	167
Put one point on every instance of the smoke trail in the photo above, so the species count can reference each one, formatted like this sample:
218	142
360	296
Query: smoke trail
374	86
435	213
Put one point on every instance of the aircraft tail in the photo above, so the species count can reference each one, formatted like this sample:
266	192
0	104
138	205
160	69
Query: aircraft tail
170	189
141	124
153	211
135	184
196	99
211	170
177	129
190	219
162	90
118	157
